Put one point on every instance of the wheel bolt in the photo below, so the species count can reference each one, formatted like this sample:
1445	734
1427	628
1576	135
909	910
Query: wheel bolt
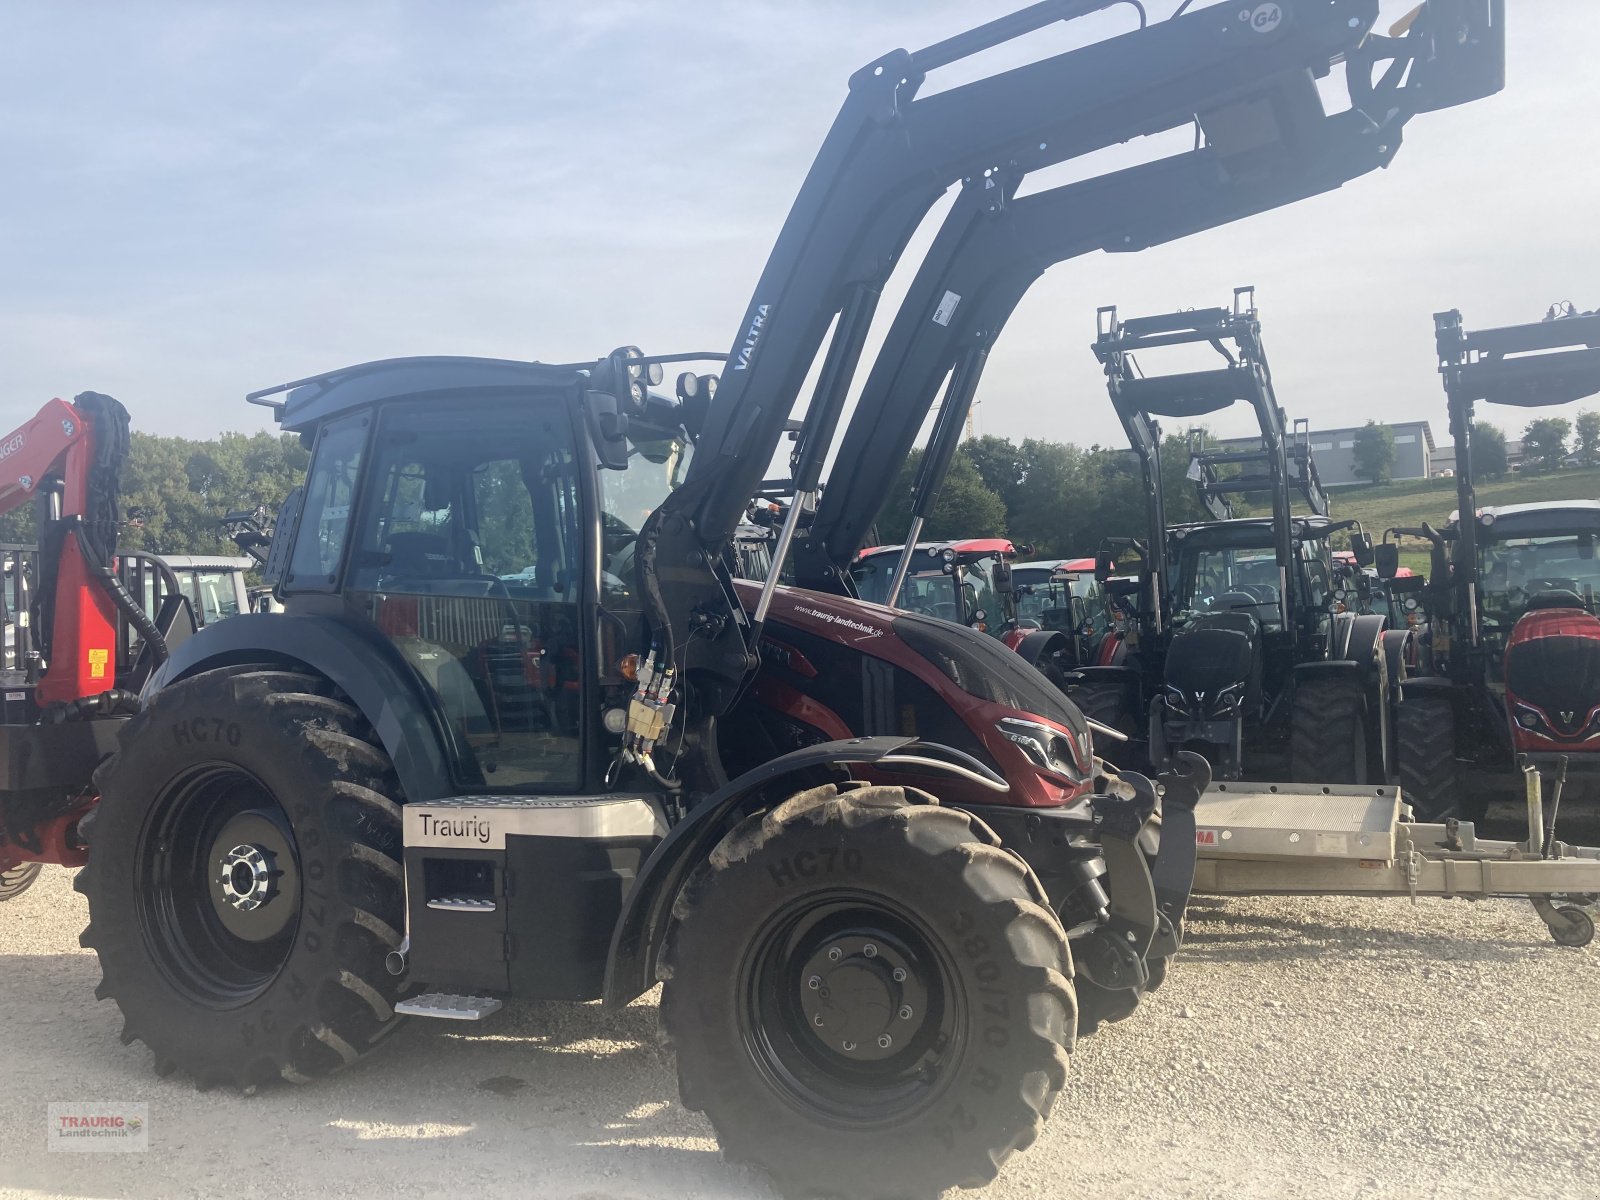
849	1047
814	982
870	950
817	1021
899	974
835	954
905	1012
885	1041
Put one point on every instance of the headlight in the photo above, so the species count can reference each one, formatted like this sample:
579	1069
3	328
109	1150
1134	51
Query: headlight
1045	747
1530	718
1177	701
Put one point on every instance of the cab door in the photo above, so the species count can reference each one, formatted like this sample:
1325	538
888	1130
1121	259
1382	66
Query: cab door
467	557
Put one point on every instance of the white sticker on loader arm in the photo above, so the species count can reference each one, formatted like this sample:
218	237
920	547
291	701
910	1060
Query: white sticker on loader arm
946	309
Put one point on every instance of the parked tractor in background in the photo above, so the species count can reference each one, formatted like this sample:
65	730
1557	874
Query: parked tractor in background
1515	644
1244	652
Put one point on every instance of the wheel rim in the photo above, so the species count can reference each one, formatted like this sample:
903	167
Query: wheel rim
218	885
850	1010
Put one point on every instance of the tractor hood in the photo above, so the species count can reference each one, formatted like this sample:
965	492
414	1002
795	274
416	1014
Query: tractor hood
969	689
1552	670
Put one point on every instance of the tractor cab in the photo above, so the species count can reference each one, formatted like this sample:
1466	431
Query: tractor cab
1538	576
1535	557
968	582
1063	596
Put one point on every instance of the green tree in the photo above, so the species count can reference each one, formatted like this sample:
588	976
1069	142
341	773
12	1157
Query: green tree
1545	441
1488	450
1588	430
1000	463
1374	452
967	508
1047	506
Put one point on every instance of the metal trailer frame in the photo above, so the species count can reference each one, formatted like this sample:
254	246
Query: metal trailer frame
1268	839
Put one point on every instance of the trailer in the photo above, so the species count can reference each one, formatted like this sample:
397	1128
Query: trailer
1267	839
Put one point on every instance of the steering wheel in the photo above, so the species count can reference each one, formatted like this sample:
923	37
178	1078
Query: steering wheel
1553	584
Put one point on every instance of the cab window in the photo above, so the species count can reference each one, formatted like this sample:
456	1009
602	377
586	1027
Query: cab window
467	558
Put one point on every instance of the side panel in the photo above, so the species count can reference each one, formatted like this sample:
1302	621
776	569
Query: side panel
355	660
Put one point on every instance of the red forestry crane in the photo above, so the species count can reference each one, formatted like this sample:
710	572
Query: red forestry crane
59	704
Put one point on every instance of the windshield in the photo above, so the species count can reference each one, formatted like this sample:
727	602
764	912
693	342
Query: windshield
1223	579
214	595
1045	599
928	589
1513	571
656	465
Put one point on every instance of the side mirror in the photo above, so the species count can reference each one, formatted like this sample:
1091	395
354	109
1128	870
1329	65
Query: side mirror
1104	566
1079	613
1361	547
1386	557
608	429
1002	576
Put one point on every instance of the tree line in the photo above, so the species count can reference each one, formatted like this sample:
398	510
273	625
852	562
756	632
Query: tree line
1545	447
1058	498
175	491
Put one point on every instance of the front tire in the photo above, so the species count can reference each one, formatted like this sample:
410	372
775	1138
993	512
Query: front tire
1430	776
244	879
18	879
868	998
1328	733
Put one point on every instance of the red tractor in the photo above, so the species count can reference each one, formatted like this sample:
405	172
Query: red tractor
1513	641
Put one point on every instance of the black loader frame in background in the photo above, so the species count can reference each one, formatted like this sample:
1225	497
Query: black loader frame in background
1456	744
790	899
1277	670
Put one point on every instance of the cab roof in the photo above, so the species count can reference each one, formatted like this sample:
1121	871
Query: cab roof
963	546
1304	526
319	398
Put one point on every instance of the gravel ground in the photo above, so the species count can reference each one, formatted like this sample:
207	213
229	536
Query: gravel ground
1301	1048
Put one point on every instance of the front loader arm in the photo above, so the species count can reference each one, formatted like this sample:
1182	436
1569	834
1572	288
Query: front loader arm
888	157
994	245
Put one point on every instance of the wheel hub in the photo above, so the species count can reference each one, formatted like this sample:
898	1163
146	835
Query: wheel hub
862	997
248	877
252	876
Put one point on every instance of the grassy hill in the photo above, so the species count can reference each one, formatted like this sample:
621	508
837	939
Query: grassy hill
1433	500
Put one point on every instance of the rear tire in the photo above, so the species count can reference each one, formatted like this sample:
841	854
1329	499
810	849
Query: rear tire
1328	733
868	998
1430	776
18	879
244	879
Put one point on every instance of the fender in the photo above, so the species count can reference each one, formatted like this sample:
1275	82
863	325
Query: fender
1128	675
1041	643
1427	686
1356	673
1395	643
1366	631
647	911
354	659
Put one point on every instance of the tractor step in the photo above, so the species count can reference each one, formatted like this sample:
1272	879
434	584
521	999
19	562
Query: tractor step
473	904
448	1007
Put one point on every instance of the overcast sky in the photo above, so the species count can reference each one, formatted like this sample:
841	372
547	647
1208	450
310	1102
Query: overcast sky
203	199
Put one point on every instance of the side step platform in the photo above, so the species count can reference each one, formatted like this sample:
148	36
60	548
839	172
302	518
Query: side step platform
448	1007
